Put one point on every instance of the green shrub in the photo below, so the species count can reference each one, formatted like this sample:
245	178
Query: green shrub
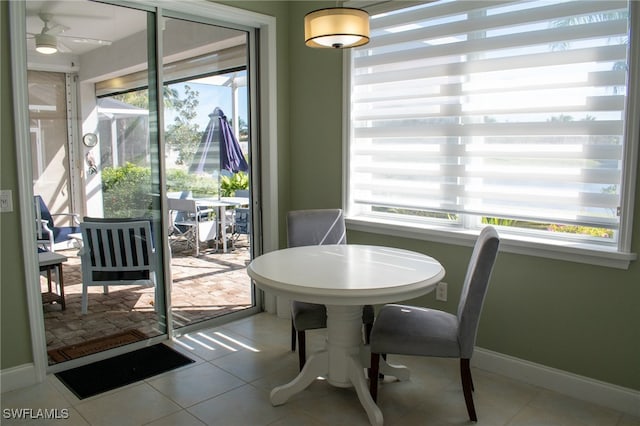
126	191
229	185
583	230
199	185
497	221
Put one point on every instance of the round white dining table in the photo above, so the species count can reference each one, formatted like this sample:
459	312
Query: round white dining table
344	278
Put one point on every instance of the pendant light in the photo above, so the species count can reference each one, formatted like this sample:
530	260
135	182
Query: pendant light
336	27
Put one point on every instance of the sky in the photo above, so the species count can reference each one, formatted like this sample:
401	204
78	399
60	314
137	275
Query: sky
210	97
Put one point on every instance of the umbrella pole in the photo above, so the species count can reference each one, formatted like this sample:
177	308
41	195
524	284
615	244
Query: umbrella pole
220	142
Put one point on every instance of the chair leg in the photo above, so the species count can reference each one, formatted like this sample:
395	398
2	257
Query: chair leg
367	333
85	300
381	376
302	349
367	339
473	389
293	337
467	388
373	376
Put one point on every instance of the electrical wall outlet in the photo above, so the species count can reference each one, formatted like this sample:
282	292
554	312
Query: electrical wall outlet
6	201
441	292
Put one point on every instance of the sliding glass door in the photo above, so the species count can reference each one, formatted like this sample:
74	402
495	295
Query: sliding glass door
208	164
130	127
102	163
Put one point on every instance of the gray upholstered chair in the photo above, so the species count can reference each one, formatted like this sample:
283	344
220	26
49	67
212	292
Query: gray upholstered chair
316	227
409	330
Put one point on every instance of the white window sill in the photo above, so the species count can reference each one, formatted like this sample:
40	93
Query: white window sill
572	252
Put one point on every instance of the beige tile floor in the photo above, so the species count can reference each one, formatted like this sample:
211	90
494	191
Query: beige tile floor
237	365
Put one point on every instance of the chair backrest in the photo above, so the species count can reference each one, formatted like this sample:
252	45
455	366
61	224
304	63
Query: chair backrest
316	227
179	194
124	220
42	213
241	193
116	251
182	205
475	287
241	220
177	215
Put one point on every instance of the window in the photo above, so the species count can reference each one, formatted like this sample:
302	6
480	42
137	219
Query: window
465	113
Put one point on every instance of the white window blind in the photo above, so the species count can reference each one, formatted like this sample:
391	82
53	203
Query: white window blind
500	109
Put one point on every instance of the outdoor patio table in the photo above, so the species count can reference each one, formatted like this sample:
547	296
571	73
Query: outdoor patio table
237	201
47	261
221	206
344	277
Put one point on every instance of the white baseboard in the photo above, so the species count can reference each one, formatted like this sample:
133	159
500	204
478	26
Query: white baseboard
18	377
579	387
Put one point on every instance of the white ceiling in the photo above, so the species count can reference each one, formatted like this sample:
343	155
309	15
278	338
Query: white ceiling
85	19
125	29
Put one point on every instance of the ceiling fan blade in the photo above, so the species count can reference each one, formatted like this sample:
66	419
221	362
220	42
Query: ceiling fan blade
42	13
63	48
85	40
56	31
50	26
55	28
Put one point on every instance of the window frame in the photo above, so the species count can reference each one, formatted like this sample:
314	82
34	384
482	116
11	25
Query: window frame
619	256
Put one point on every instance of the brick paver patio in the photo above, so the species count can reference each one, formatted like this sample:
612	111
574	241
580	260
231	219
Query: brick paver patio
204	287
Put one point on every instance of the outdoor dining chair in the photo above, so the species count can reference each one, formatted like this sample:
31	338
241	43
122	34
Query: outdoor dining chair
191	223
241	222
48	235
117	252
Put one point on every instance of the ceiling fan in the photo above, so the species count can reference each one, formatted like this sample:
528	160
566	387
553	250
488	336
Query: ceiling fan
48	40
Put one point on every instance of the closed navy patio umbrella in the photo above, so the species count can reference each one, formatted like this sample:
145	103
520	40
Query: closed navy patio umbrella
218	138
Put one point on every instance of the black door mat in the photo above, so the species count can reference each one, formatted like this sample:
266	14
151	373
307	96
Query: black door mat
121	370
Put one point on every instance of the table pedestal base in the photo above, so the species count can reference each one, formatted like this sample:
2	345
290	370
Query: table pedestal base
342	362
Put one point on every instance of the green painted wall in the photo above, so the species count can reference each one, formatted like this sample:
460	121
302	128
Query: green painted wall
279	10
15	337
575	317
315	119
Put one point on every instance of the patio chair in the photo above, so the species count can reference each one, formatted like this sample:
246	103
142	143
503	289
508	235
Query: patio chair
244	193
117	252
175	215
49	236
241	223
191	223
